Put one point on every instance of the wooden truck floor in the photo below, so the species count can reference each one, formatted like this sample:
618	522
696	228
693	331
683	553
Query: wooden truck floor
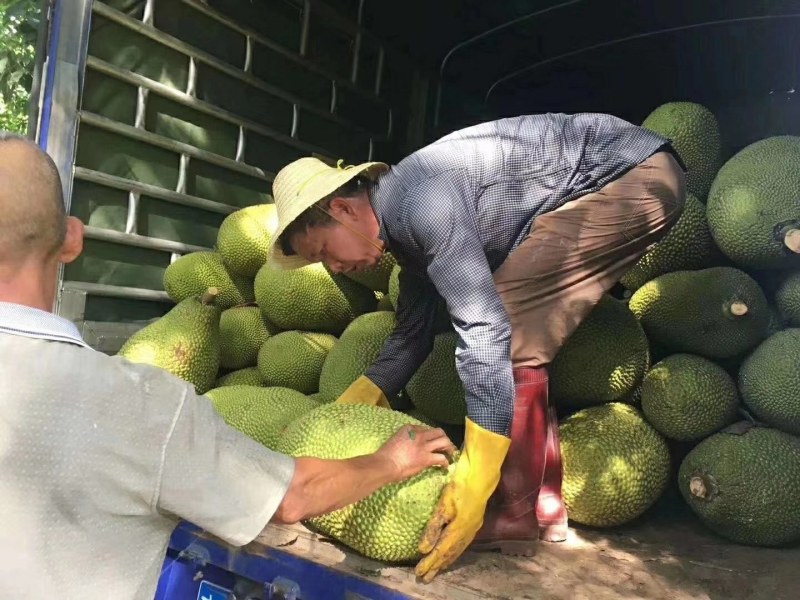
669	556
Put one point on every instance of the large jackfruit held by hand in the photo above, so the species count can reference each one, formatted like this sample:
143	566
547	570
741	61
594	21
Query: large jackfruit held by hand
388	524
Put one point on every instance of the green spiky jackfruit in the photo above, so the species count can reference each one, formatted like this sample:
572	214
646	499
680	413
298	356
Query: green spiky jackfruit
753	212
718	312
687	397
247	376
603	360
744	483
616	465
787	299
310	298
244	238
436	389
388	524
184	342
193	273
769	381
694	132
687	246
357	348
242	331
261	413
294	359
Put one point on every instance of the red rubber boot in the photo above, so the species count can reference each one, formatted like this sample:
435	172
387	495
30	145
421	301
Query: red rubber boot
510	521
551	513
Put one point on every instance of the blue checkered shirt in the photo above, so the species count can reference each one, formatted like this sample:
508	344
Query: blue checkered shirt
453	211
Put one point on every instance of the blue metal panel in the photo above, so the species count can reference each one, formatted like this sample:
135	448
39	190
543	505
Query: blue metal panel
47	100
222	565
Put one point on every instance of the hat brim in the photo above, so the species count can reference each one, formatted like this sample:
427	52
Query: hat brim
328	183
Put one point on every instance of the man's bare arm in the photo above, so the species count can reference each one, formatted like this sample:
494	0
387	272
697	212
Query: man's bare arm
320	486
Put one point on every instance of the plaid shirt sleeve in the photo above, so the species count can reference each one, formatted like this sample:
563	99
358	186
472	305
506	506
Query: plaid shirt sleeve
442	228
412	339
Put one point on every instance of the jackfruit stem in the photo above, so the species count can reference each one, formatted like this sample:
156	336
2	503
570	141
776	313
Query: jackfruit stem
738	308
698	488
792	240
209	296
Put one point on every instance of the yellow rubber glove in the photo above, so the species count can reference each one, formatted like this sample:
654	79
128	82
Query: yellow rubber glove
363	391
463	501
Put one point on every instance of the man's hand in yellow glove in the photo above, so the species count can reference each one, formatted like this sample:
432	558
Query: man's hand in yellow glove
363	391
459	514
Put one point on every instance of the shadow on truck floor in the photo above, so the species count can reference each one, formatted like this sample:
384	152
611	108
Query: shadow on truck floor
667	554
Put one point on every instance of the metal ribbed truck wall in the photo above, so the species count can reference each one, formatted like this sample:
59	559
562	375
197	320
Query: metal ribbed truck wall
188	109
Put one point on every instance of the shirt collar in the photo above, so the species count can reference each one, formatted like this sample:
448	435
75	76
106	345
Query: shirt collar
377	198
26	321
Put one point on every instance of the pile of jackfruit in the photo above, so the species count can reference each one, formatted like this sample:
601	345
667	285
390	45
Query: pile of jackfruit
686	374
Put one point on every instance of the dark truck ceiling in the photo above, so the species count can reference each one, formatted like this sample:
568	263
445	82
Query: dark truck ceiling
740	57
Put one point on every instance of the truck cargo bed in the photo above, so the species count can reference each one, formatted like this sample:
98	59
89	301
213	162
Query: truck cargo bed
668	555
657	561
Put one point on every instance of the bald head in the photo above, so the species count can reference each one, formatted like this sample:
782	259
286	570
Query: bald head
32	216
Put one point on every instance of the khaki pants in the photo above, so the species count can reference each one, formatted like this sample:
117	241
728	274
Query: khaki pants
576	253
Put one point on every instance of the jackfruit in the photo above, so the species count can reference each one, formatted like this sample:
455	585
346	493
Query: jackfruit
744	484
242	331
694	132
193	273
718	312
184	342
603	360
616	465
243	239
261	413
787	298
687	398
248	376
769	381
436	389
311	299
753	212
687	246
354	352
376	278
294	359
388	524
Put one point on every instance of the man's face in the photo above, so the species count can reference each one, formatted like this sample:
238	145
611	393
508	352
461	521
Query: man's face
340	248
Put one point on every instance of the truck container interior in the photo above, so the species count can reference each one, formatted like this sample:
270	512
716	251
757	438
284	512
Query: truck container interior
187	108
184	110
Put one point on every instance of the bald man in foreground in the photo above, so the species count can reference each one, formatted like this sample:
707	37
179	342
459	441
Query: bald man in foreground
100	457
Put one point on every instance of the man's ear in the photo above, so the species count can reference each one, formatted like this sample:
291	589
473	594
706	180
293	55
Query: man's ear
341	207
73	241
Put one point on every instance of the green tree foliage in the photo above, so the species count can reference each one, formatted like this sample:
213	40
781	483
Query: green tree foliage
19	20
